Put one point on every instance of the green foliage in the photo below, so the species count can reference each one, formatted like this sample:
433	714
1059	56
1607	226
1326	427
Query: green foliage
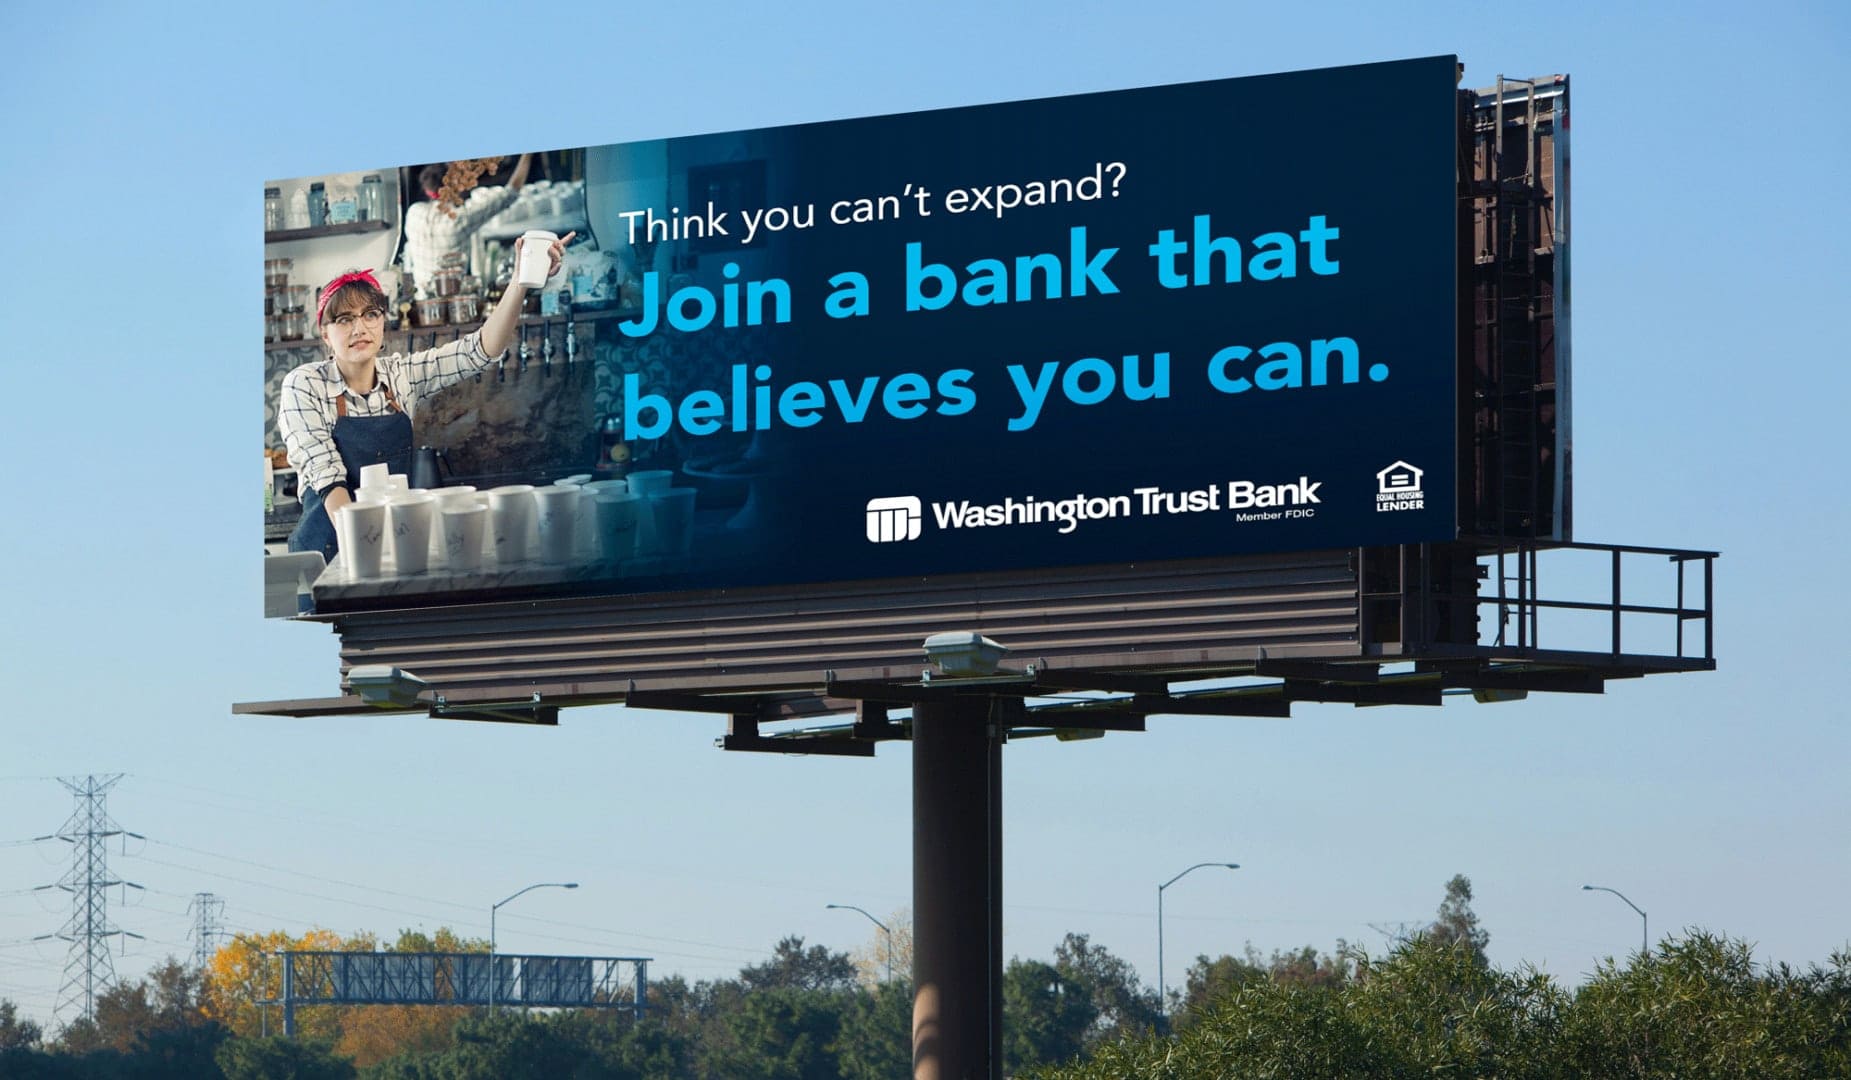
782	1033
876	1042
794	967
1697	1009
1209	980
1121	1005
1457	925
166	1001
15	1033
278	1058
1046	1017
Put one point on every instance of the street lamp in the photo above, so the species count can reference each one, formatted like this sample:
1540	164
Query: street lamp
1645	936
876	922
493	908
1162	1003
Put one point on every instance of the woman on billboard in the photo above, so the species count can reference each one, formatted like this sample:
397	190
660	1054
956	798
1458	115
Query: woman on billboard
354	409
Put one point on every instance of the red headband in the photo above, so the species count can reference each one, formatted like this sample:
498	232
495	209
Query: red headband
327	294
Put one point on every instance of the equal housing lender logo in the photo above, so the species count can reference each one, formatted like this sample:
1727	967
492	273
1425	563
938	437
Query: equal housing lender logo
1398	488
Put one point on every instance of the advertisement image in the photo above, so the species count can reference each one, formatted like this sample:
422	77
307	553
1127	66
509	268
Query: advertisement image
1178	322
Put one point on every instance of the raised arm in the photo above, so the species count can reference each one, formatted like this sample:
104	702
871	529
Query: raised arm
498	331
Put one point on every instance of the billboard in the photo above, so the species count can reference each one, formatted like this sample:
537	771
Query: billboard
1206	319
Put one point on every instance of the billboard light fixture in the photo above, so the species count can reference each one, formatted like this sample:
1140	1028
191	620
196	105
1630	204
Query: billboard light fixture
964	652
385	686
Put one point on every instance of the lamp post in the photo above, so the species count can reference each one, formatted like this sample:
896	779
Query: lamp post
1645	936
1162	1002
876	922
493	908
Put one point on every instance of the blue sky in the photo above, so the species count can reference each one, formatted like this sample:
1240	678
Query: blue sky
1710	168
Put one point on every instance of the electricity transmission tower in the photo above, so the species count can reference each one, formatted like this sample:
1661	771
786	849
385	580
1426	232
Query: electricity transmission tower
208	913
88	970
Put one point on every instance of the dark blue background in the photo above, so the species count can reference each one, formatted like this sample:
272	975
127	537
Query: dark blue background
1371	148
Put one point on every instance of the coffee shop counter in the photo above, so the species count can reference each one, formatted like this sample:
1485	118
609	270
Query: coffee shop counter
339	589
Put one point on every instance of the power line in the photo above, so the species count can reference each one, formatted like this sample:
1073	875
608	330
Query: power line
88	970
208	913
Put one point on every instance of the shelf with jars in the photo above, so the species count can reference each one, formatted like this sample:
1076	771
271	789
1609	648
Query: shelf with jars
352	228
396	336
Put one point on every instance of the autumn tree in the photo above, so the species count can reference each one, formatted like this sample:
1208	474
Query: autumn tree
247	972
870	958
156	1020
370	1034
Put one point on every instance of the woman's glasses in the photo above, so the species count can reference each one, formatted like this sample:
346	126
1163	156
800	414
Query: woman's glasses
371	317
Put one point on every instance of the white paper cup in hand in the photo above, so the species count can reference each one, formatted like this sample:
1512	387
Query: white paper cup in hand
510	512
558	510
536	258
410	520
464	524
365	537
618	513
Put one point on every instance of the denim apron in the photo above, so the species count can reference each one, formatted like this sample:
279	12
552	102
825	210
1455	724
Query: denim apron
361	440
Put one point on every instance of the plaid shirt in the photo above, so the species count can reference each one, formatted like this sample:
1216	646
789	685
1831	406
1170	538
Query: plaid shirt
305	409
430	234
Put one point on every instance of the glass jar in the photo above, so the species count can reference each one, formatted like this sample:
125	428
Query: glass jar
447	282
372	199
343	205
433	311
318	204
273	209
296	214
276	272
464	308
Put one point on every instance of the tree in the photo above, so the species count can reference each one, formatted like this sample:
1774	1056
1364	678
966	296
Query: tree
167	1000
248	971
279	1058
778	1033
870	958
1457	925
1208	980
1121	1005
876	1042
1046	1015
370	1034
795	967
1701	1006
15	1033
1427	1010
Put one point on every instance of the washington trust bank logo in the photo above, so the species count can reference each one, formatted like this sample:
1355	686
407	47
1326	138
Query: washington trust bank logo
1398	488
894	519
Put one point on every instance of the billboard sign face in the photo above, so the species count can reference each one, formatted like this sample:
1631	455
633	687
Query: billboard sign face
1196	320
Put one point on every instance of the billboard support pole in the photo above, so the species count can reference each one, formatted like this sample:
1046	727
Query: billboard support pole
289	995
958	887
